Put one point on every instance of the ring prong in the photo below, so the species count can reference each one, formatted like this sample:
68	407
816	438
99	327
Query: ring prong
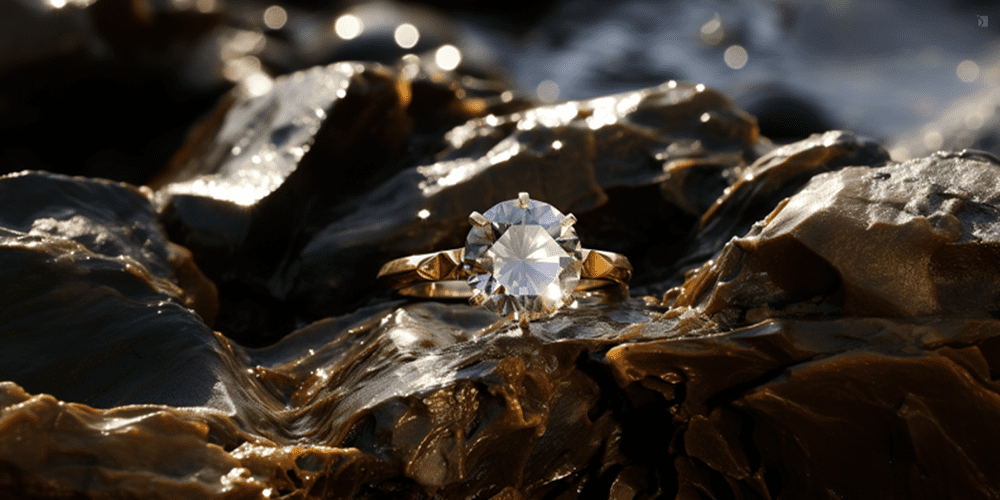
522	200
569	220
477	219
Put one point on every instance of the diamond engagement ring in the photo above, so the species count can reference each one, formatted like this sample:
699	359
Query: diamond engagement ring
522	259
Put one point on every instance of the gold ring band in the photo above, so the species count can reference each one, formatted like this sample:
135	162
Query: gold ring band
442	274
522	259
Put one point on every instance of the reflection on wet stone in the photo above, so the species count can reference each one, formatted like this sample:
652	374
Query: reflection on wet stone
760	187
433	399
244	192
895	241
805	321
95	288
589	157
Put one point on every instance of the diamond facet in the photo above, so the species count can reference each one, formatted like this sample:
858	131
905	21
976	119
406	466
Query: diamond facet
525	261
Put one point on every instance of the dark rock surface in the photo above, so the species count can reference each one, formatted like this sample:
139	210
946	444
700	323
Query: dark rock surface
600	159
844	345
806	321
260	174
96	309
761	186
909	239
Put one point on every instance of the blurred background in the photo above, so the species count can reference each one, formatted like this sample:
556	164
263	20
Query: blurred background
109	88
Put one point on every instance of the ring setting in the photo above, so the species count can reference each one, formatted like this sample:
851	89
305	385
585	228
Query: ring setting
522	260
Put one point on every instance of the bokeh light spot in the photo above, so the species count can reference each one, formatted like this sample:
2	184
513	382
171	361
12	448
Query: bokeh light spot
348	26
967	71
548	91
206	6
257	84
735	56
240	68
275	17
711	32
974	120
406	35
448	57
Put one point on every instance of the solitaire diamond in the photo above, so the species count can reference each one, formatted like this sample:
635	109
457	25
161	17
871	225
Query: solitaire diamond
523	257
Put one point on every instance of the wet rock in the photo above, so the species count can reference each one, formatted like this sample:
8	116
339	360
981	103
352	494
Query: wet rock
846	342
422	400
142	450
791	408
442	100
269	152
261	172
107	219
908	239
760	187
240	191
96	293
597	158
441	401
445	393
